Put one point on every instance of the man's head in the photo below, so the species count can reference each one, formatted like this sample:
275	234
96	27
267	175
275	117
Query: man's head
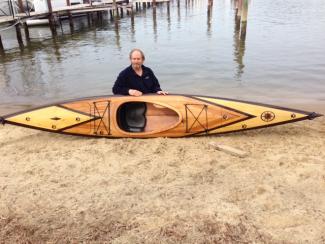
137	58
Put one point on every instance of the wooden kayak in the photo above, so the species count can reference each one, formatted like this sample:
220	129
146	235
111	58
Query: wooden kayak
154	116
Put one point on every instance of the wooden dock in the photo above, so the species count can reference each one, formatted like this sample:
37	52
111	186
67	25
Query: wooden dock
113	7
78	8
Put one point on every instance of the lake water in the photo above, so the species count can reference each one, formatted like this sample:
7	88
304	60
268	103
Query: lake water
191	49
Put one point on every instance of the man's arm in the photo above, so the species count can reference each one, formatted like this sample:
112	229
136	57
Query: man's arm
156	85
120	86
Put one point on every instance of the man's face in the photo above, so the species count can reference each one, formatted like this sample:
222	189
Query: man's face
136	59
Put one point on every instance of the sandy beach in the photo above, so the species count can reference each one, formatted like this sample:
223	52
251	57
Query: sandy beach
59	188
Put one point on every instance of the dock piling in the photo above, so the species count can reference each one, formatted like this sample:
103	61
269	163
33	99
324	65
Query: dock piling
121	10
244	20
239	7
19	36
1	46
21	6
115	9
70	17
51	18
26	32
244	10
89	19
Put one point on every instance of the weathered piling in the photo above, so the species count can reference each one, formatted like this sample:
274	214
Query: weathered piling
244	10
93	19
51	18
21	6
239	7
154	20
19	36
26	32
70	17
209	17
89	19
117	33
239	43
132	18
1	46
115	9
121	12
244	20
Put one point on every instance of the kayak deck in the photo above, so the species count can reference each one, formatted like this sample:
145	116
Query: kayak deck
154	116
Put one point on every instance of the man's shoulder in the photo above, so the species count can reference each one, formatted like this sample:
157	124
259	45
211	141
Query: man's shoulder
126	71
147	69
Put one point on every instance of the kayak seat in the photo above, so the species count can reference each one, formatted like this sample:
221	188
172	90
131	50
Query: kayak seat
131	116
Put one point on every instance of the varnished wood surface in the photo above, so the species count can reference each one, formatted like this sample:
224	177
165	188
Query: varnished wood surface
172	120
167	116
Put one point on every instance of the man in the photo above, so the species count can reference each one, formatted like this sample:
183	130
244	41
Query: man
137	79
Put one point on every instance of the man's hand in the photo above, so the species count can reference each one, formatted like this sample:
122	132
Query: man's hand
135	93
162	93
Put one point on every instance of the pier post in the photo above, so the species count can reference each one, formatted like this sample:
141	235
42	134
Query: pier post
244	20
70	17
26	32
132	16
168	7
21	6
71	22
93	19
239	7
121	10
209	15
154	20
1	46
51	18
19	36
89	20
244	10
101	17
154	4
115	9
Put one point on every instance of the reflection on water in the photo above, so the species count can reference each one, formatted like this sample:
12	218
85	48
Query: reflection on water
239	42
194	46
209	18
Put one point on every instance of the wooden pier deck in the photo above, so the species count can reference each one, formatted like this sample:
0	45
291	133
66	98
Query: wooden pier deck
53	15
73	9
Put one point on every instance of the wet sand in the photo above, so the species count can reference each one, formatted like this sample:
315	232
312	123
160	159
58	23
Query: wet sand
58	188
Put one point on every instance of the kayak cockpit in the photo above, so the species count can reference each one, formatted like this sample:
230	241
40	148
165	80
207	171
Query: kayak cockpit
131	116
137	117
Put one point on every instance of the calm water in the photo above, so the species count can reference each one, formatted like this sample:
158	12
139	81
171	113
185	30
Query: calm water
192	50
